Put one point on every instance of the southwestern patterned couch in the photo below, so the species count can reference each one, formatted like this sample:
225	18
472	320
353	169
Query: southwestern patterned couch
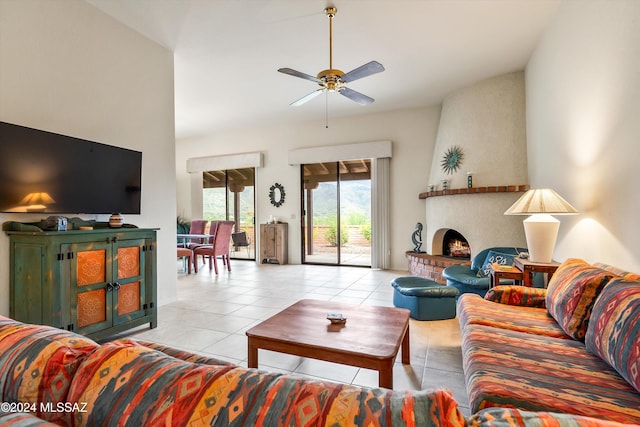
53	377
571	348
49	375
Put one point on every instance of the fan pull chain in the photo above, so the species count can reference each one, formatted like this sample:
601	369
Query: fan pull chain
326	110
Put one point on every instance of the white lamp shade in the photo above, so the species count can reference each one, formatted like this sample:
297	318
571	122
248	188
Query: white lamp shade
541	201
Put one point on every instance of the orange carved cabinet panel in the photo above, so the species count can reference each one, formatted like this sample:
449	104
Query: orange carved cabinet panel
98	283
90	276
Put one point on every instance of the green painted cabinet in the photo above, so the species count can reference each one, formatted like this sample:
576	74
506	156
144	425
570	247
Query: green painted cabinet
94	282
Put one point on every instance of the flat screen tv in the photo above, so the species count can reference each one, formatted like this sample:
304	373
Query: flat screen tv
47	172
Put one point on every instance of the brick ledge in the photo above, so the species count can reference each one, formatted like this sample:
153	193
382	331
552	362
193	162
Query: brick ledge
431	266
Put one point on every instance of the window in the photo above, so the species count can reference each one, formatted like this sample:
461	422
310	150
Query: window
229	195
337	212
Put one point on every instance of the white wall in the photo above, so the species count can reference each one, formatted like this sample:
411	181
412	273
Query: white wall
412	133
68	68
583	127
487	121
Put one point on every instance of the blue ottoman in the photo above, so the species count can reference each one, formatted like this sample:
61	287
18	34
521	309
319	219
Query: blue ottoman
426	299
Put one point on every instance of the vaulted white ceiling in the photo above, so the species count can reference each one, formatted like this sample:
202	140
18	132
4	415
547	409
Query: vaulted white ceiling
227	52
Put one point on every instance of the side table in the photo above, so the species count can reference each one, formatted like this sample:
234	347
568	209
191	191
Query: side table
503	273
529	267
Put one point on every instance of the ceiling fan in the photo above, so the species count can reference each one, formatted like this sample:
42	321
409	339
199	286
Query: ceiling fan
334	80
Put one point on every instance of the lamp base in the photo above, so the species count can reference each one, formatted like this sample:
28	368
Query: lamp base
541	231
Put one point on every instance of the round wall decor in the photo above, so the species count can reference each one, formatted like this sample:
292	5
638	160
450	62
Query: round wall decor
452	159
276	195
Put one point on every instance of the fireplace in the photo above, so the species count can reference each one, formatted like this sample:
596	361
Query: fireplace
478	216
455	245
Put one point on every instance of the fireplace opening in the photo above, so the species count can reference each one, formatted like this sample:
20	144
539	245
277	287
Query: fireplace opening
454	245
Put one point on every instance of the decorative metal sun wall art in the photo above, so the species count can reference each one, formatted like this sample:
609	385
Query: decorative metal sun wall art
452	159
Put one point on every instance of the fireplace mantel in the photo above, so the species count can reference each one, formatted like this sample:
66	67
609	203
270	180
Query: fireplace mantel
476	190
477	213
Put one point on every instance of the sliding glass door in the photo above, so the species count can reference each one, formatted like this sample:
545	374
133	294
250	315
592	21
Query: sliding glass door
336	213
229	195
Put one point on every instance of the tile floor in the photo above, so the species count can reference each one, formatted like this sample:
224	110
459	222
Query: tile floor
213	312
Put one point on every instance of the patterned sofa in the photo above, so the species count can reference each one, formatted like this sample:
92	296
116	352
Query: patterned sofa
53	377
572	348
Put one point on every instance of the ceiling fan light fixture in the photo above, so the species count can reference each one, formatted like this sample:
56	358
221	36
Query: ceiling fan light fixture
334	80
330	73
330	79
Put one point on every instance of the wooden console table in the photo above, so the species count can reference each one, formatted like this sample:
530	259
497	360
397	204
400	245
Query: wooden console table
96	282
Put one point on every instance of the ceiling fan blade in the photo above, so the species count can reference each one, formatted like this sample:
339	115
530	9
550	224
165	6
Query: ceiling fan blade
307	97
356	96
365	70
295	73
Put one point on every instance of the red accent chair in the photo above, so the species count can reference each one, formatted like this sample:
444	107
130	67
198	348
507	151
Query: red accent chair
212	232
197	227
220	247
186	254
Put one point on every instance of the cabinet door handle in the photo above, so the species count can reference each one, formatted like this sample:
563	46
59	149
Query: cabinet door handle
109	287
116	285
114	239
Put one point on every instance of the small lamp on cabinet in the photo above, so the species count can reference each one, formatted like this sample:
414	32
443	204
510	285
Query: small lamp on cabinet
541	228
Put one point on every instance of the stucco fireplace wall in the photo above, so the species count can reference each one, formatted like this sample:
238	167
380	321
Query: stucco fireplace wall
487	121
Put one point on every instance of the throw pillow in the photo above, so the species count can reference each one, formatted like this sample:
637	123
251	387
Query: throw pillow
571	293
614	330
517	295
494	257
37	365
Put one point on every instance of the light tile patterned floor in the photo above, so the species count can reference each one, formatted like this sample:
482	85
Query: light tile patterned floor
213	312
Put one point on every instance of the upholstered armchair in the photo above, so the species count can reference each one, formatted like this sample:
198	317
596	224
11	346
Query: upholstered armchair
473	279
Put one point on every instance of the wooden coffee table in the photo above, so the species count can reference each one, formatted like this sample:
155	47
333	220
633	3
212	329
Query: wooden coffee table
370	338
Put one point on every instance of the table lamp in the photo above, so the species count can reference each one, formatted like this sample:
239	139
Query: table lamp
541	229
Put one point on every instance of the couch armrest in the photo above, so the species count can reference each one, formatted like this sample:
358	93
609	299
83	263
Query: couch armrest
512	417
518	295
23	419
453	271
183	355
464	275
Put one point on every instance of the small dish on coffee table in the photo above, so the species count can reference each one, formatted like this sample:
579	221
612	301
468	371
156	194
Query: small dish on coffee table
336	317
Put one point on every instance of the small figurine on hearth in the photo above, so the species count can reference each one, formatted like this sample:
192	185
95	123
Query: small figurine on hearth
416	237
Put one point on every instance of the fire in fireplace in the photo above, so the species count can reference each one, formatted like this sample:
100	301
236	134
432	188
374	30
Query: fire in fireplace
455	245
